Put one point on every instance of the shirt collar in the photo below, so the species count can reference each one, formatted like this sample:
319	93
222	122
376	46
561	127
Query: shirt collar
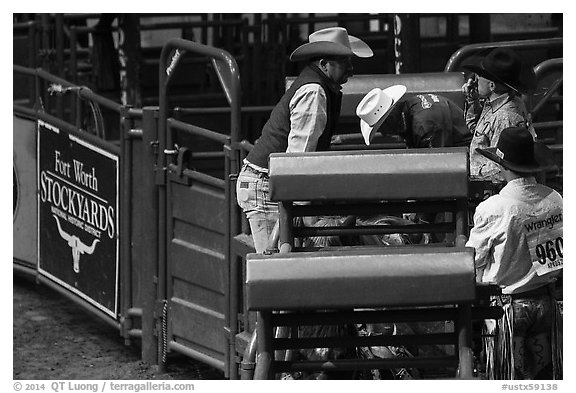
499	101
335	87
522	181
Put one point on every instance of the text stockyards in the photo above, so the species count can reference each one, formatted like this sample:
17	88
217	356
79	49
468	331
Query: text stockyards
78	216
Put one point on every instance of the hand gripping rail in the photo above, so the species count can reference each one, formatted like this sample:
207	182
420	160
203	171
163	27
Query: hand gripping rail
362	286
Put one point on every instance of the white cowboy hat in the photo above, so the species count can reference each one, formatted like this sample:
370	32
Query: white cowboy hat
332	41
375	107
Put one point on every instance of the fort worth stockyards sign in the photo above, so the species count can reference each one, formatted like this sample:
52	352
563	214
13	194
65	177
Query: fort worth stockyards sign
78	216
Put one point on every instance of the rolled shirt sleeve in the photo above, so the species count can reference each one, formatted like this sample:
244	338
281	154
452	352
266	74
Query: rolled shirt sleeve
308	118
481	240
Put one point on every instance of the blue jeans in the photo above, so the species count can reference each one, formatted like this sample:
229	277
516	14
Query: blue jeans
533	315
533	323
253	196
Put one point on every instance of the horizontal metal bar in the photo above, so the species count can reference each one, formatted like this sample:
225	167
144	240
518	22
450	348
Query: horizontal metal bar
82	91
191	24
371	209
134	112
245	145
322	19
135	333
368	316
373	146
548	65
41	73
457	58
89	29
57	122
368	364
203	155
135	133
23	25
347	248
202	177
223	109
203	132
372	229
547	96
85	92
134	312
24	111
548	124
365	341
196	355
24	269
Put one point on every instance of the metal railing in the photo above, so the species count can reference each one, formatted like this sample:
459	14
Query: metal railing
128	119
458	58
229	77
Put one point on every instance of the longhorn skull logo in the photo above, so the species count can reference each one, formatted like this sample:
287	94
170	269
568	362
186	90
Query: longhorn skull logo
78	248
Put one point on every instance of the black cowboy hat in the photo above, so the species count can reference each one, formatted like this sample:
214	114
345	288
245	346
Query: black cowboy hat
504	66
517	151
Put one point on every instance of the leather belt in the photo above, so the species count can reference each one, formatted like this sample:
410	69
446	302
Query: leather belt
250	168
543	290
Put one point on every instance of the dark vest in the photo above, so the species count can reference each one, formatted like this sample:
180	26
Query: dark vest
274	138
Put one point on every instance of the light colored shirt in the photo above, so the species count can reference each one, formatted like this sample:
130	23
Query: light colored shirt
518	236
497	114
308	118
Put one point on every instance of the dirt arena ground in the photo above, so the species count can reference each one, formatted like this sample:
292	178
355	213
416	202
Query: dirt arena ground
55	339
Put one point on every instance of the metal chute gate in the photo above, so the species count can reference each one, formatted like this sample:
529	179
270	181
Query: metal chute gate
181	242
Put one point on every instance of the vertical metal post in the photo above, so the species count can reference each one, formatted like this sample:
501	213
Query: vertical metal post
33	47
164	140
149	235
59	21
73	55
480	30
264	364
407	43
286	243
246	57
130	60
464	330
233	166
461	218
256	61
75	107
231	295
125	221
46	47
45	40
32	50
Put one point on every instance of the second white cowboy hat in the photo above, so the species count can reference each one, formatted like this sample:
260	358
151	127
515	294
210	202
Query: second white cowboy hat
375	107
332	41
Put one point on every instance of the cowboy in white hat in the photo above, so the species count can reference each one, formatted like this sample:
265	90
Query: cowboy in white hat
375	107
427	120
303	120
495	104
518	239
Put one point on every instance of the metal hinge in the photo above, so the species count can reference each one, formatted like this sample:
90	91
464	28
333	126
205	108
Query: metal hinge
154	145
